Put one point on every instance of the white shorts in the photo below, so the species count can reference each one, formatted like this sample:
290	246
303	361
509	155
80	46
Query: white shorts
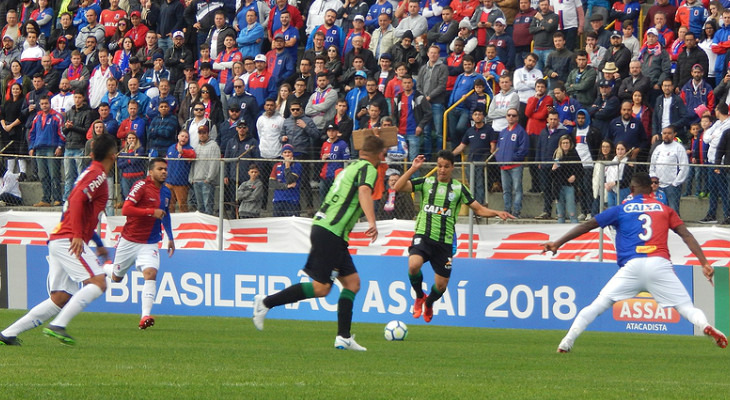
66	271
652	274
144	255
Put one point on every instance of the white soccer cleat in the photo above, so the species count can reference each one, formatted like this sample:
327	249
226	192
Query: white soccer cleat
564	346
259	311
348	344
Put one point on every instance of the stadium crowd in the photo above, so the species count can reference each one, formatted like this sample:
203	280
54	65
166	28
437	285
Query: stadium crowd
563	83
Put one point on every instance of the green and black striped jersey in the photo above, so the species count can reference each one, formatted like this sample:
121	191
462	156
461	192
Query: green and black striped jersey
341	209
440	203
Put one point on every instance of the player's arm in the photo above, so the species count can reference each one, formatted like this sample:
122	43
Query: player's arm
695	248
130	209
100	249
167	224
570	235
488	212
404	182
365	196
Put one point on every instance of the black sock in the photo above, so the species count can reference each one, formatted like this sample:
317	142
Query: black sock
433	296
417	283
344	313
292	294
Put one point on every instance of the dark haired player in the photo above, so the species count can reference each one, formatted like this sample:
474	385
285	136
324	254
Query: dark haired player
441	198
349	197
70	259
147	211
642	225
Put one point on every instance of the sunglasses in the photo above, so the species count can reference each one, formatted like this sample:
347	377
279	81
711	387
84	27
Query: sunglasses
199	109
654	182
204	91
296	109
512	115
238	86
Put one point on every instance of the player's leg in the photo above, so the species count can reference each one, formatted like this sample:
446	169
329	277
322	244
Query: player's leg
441	264
148	261
84	269
350	287
125	256
418	254
668	291
623	285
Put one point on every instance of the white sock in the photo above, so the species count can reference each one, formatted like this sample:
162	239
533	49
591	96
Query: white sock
22	164
693	315
108	269
149	290
585	317
34	318
78	302
10	163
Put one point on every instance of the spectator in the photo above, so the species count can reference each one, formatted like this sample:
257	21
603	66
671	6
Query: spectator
251	36
170	22
582	80
131	168
669	163
595	51
442	31
76	73
629	131
90	29
280	62
606	106
697	153
705	44
11	130
642	112
521	33
383	37
321	104
226	130
285	179
246	103
636	81
629	40
566	107
134	72
506	99
260	84
459	117
333	149
133	123
213	108
177	56
45	139
669	109
536	112
150	82
8	54
587	145
618	54
250	193
138	31
503	43
109	19
414	113
99	77
565	173
482	21
618	176
697	92
481	140
242	145
525	78
110	124
414	22
559	62
404	52
162	131
204	173
78	122
394	204
491	67
465	40
542	27
717	180
66	29
51	76
686	60
512	147
269	126
30	57
343	121
10	190
548	142
605	157
179	157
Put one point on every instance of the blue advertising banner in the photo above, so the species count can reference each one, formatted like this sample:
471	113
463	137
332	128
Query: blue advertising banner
481	293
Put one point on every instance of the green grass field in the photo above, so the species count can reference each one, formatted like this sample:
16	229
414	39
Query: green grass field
227	358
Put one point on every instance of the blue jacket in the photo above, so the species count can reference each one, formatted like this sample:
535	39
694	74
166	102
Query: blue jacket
548	142
462	86
284	67
46	132
249	40
374	12
353	97
633	134
512	145
152	110
331	36
604	111
117	106
567	110
131	166
722	35
677	115
161	133
703	96
178	168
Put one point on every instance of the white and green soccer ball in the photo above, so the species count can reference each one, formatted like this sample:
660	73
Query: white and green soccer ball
395	330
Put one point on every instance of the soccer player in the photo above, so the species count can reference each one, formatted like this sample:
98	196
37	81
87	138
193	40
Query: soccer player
70	259
349	197
147	210
642	224
441	197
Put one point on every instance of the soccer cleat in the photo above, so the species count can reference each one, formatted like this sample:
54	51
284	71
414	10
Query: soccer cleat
564	347
427	313
259	311
718	336
9	340
563	350
146	322
418	306
59	333
348	344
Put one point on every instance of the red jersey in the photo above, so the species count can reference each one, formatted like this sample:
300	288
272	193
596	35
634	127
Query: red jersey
143	199
84	205
110	19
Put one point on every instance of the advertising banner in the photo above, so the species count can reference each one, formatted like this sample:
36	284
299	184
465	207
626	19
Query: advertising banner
481	293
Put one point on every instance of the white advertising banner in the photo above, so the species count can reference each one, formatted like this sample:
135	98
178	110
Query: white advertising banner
291	235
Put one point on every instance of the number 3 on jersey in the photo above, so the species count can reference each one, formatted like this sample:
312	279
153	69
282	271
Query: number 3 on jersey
646	225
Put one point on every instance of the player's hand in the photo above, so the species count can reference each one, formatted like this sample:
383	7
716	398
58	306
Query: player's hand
709	272
102	253
170	248
418	161
549	246
504	215
77	247
372	233
158	213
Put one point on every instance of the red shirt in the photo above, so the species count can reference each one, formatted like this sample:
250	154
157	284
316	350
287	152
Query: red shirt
110	19
84	205
143	199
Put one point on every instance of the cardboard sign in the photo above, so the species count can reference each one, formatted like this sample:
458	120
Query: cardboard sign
388	134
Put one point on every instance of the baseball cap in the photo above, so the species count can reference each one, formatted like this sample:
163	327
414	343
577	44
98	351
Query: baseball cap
699	67
157	56
178	34
135	13
242	122
134	60
596	17
361	74
652	31
386	56
359	18
9	37
499	20
604	83
331	126
287	147
615	34
260	57
205	65
279	36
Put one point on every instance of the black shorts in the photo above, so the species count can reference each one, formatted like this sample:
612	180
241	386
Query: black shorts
329	257
437	253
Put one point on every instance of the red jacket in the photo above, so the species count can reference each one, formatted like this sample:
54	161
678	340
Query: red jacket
537	113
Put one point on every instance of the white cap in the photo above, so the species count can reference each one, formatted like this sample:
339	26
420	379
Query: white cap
500	20
260	57
653	31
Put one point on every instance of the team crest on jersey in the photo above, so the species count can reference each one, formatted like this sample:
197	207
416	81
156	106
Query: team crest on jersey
527	20
441	190
483	136
279	62
261	79
451	196
513	137
632	125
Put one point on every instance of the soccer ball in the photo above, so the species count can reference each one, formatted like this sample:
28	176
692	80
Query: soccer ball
395	330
